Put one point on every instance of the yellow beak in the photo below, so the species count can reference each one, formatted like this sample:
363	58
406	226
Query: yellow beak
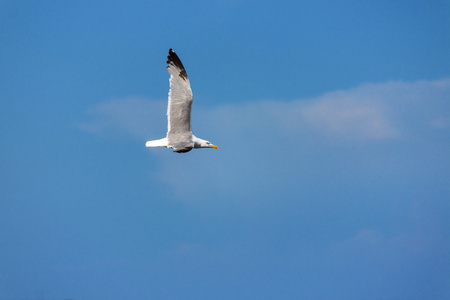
214	146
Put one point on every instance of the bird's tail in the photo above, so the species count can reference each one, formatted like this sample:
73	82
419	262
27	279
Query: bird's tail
157	143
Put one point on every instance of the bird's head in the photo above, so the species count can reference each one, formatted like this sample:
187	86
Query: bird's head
199	143
207	144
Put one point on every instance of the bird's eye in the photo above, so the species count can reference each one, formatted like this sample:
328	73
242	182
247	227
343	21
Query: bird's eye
208	143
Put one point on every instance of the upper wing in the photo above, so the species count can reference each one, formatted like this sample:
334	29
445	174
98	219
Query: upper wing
180	97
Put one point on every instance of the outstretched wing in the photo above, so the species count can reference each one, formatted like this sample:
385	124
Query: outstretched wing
180	100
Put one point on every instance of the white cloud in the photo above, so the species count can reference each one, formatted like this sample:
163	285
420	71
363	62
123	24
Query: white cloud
274	145
367	112
341	115
133	115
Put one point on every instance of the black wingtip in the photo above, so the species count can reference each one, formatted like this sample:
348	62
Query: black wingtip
173	59
171	53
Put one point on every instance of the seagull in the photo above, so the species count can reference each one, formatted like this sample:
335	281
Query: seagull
179	135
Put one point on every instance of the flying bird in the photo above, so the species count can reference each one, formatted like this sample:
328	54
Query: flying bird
179	134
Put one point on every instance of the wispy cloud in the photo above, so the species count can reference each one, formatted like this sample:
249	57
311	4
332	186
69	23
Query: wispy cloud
278	145
368	112
345	116
134	116
440	122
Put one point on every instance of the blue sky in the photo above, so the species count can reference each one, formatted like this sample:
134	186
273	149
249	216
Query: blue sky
332	176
